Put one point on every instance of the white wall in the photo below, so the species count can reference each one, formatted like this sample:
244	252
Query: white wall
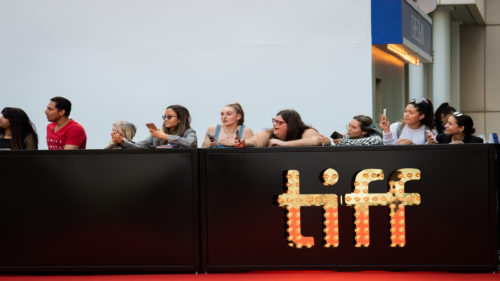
129	59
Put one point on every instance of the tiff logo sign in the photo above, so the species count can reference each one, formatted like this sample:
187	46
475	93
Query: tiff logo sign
396	199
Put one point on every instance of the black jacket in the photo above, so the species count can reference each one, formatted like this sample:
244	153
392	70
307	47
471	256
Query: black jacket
445	139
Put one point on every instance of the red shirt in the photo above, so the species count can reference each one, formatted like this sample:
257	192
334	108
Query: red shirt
72	133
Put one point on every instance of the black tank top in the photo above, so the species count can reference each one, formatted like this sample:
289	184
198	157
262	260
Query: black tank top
5	143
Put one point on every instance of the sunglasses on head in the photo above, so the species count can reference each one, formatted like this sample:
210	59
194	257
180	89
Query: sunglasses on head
418	101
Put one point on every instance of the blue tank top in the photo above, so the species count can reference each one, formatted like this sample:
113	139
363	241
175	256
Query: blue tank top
216	136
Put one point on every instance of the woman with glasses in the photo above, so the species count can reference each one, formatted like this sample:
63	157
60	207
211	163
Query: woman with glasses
360	131
418	122
232	128
459	129
16	130
175	132
288	130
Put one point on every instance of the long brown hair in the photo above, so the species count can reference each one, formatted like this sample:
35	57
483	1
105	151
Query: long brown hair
295	126
21	126
184	122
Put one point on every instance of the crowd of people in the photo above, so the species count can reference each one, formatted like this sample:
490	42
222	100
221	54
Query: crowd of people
420	125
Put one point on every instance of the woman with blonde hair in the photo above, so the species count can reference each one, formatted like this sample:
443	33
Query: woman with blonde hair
124	128
232	128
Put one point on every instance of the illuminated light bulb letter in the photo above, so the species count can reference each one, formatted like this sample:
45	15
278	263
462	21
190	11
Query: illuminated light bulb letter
399	200
292	200
396	199
361	200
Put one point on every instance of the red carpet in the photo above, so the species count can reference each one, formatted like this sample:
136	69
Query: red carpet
272	276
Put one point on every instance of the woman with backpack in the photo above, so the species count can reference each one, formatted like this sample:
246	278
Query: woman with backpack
418	123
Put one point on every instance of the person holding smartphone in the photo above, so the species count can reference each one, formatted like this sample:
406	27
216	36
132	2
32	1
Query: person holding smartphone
232	128
175	132
417	124
360	131
288	130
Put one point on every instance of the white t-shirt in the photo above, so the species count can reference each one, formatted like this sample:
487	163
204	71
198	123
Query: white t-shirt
417	136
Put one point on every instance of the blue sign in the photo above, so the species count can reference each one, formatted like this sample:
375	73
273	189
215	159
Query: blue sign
402	22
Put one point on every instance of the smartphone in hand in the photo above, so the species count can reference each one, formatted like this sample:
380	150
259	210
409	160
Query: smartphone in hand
430	136
210	137
336	135
238	135
151	126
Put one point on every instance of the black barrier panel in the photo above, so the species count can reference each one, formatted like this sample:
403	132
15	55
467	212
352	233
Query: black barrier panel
497	148
99	211
452	229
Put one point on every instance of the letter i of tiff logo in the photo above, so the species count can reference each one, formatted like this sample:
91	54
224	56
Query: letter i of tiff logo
396	199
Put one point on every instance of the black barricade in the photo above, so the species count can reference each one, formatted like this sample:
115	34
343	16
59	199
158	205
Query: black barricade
453	227
99	211
140	210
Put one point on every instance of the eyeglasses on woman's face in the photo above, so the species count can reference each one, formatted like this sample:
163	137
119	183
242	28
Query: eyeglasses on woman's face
278	122
168	117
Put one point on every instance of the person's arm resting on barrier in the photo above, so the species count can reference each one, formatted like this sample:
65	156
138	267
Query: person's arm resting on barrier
310	137
260	139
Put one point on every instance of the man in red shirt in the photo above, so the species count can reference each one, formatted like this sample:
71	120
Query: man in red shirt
63	133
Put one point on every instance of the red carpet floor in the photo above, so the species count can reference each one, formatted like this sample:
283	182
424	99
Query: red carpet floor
271	276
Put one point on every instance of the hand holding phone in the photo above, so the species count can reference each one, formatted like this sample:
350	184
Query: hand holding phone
336	135
211	138
237	135
430	137
240	144
151	126
384	123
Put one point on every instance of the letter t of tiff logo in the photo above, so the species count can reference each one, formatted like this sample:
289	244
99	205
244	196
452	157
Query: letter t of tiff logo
293	200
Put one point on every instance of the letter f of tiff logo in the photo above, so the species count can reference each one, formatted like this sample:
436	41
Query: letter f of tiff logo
396	199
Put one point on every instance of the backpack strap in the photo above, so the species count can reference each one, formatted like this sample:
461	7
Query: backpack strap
217	130
242	128
400	129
